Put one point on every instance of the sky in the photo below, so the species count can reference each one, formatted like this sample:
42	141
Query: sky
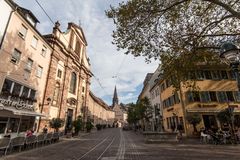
109	66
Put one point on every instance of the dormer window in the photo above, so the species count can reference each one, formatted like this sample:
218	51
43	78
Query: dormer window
30	20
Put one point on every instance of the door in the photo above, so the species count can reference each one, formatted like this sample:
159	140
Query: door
68	126
209	121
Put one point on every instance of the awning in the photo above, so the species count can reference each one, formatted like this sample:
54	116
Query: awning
20	112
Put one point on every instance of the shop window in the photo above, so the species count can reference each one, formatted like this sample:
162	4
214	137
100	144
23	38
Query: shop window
213	96
13	125
16	56
205	97
23	31
222	97
3	124
6	89
230	96
16	89
73	83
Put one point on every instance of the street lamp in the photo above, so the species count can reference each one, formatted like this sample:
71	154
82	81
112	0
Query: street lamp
230	53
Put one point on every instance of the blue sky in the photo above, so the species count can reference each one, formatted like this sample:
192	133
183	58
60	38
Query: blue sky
111	67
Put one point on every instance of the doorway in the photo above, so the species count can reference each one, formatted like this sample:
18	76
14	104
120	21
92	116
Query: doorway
68	126
210	121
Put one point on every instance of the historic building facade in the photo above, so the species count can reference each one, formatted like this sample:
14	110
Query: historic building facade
120	110
99	112
216	90
24	60
67	89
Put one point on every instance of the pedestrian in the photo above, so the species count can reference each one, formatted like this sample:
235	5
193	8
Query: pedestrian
45	129
180	130
29	133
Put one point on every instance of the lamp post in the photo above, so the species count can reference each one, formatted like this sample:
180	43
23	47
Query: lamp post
230	53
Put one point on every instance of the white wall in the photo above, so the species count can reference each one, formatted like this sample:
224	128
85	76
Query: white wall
5	11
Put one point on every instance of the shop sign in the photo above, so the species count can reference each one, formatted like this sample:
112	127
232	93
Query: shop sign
20	105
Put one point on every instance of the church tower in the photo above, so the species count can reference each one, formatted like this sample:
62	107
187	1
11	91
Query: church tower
115	97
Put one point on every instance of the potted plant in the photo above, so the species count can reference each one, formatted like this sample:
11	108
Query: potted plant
77	124
89	126
56	123
99	127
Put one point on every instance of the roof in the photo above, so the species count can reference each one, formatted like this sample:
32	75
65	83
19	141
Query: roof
99	101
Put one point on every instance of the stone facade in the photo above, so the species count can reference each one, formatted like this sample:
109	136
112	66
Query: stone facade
67	89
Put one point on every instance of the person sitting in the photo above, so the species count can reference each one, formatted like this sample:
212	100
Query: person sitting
29	133
45	129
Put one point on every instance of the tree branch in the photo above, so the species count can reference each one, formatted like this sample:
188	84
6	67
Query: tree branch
225	6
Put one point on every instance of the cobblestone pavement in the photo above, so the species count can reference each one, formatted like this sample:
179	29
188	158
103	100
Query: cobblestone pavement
114	144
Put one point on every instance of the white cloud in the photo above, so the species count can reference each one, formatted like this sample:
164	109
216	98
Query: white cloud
105	60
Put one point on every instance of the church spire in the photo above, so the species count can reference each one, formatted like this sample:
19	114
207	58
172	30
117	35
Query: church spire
115	97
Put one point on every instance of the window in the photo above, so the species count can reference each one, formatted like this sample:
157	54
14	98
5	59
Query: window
77	47
176	98
6	89
224	75
39	71
213	96
16	56
23	31
207	74
16	89
232	75
237	96
83	89
32	94
26	75
29	65
59	73
3	124
44	51
163	86
191	75
34	42
230	96
73	83
222	96
193	96
25	92
199	75
216	75
205	97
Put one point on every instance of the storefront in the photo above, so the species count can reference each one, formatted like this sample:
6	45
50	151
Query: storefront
16	116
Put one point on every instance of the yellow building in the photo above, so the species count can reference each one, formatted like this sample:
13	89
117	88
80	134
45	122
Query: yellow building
216	90
99	112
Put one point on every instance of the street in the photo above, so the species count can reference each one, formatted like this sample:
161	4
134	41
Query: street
115	144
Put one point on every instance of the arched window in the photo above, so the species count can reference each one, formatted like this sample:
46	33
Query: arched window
77	47
73	83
